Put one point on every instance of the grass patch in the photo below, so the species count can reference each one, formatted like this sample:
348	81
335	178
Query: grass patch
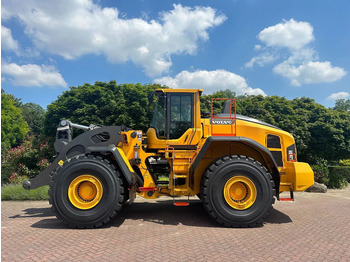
163	178
17	192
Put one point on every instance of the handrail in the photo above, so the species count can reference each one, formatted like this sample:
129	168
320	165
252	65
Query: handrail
232	118
172	149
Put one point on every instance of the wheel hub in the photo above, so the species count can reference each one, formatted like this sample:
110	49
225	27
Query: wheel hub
85	191
239	192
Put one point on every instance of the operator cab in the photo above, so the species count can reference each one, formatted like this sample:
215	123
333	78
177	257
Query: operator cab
176	119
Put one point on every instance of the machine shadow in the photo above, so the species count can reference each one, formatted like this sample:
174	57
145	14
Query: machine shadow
159	212
49	221
164	212
35	212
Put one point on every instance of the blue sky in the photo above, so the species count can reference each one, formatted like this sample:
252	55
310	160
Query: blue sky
288	48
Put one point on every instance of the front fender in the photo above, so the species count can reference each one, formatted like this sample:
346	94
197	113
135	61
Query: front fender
108	136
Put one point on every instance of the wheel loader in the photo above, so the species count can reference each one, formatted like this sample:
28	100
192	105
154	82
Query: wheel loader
235	164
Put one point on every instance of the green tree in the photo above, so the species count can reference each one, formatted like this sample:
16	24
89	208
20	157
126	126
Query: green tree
33	114
103	104
16	101
342	104
217	104
13	126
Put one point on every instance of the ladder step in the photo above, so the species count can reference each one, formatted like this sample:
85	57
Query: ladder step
180	176
286	199
180	189
291	198
181	204
148	189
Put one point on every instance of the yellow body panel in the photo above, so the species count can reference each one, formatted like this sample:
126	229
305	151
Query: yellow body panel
299	174
125	158
190	137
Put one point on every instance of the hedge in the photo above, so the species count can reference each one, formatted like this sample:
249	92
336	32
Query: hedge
321	174
339	176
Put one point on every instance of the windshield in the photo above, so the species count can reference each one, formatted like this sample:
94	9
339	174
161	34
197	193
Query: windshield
158	122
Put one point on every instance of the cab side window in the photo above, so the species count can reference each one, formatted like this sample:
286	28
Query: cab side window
181	117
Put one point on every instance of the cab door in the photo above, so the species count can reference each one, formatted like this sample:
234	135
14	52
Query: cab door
179	115
174	122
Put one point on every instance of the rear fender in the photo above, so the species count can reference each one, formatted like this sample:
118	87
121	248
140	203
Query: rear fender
246	145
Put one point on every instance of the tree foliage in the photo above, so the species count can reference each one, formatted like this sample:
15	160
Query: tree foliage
13	126
34	115
342	104
103	104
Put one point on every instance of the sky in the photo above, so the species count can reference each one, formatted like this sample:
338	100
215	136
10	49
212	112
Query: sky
289	48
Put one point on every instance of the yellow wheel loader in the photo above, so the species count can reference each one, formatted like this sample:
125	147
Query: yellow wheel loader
235	164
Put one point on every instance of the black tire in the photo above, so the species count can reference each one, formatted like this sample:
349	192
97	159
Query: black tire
216	178
112	199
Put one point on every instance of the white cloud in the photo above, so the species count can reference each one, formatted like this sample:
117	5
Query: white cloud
340	95
257	47
261	60
4	13
310	72
33	75
302	55
72	28
290	39
210	81
7	41
291	34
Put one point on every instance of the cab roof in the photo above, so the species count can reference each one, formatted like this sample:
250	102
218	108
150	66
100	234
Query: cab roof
180	90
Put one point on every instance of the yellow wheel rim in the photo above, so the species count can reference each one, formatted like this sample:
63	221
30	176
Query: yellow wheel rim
85	191
240	192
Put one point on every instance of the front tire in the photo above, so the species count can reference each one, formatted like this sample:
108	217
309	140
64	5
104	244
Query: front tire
87	191
237	191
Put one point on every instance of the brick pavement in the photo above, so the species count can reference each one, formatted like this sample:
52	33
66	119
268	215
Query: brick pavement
316	227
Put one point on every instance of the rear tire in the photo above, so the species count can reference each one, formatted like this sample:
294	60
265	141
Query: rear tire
237	191
87	191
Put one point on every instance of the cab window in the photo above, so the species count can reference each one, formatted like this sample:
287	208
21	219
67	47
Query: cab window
180	114
158	122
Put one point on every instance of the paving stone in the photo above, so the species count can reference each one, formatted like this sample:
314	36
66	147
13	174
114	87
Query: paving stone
315	227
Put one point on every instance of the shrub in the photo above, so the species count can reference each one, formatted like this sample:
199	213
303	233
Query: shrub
321	173
339	176
26	160
345	162
17	192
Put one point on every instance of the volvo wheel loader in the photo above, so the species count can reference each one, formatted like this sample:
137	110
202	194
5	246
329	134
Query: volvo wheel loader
237	165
